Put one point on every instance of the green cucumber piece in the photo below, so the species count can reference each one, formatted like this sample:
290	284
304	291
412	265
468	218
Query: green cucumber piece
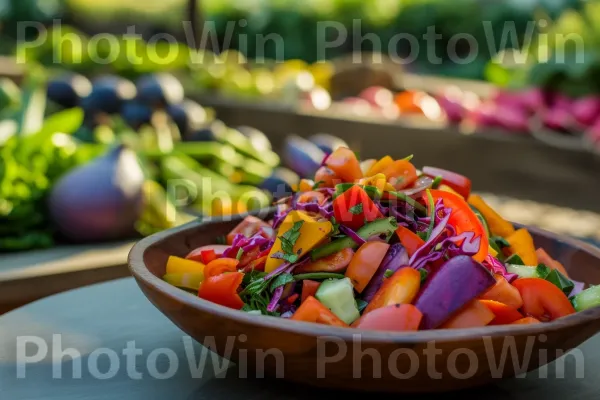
589	298
338	296
385	225
525	271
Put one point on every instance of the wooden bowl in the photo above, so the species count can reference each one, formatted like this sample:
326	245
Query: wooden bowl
344	358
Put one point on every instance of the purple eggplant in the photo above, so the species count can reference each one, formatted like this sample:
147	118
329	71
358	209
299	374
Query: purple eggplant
302	156
395	258
451	287
586	110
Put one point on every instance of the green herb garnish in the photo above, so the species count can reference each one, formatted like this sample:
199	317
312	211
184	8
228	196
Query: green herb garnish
388	273
361	305
288	240
357	209
318	276
431	214
514	260
239	254
408	158
543	271
281	280
424	274
560	281
316	185
437	181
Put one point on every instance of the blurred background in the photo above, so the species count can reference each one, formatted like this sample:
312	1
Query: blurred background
97	150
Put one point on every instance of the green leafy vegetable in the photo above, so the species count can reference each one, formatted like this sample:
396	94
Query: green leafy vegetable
431	214
560	281
409	200
357	209
543	271
514	260
408	158
288	240
281	280
361	305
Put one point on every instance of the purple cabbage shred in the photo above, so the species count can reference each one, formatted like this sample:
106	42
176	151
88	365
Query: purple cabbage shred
275	299
353	235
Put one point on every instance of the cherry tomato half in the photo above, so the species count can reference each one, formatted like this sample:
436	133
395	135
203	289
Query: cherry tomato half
460	183
344	163
365	263
542	299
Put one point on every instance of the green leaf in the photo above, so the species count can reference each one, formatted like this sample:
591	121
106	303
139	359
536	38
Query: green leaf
281	280
543	271
514	260
408	158
357	209
288	240
316	185
388	273
500	241
560	281
361	305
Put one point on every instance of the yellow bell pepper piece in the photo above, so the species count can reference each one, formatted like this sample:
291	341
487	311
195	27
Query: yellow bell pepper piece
187	281
498	225
447	188
306	185
366	165
380	165
492	252
178	265
521	244
311	234
379	181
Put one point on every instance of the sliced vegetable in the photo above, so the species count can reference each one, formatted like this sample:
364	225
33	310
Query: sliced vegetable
338	296
380	165
178	265
400	288
560	281
410	240
450	287
200	253
379	227
395	258
312	310
544	258
312	196
526	321
400	174
542	300
248	227
589	298
503	313
521	243
459	183
474	315
309	288
525	271
336	262
223	289
498	225
308	236
396	318
365	263
354	208
189	281
326	178
504	292
344	163
220	266
463	219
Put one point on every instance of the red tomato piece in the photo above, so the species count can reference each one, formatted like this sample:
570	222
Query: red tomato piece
344	163
400	174
353	207
248	227
526	321
400	288
475	314
196	254
410	240
504	292
337	262
312	197
459	183
544	258
504	314
223	289
326	178
542	299
312	310
365	263
256	265
309	288
462	218
397	318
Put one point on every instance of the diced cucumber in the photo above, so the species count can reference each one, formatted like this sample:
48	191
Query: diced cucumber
525	271
589	298
338	296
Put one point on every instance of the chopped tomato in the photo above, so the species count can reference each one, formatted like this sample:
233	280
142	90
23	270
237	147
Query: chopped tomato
344	163
292	298
354	207
309	288
504	314
459	183
544	258
256	265
410	240
337	262
526	321
400	174
365	263
223	289
219	266
462	218
475	314
312	310
248	257
196	254
248	227
504	292
542	299
400	288
312	197
326	178
397	318
380	165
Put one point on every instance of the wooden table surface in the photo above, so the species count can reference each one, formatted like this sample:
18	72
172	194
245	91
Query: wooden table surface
114	321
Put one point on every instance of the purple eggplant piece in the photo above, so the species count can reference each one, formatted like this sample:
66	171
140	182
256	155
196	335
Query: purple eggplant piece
395	258
448	289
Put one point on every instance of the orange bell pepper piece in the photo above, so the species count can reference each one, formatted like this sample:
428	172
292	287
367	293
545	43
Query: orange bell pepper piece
498	225
544	258
223	289
401	174
344	163
312	310
526	321
475	314
400	288
521	243
219	266
504	292
410	240
504	314
309	288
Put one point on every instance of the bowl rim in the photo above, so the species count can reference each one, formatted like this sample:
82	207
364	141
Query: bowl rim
141	273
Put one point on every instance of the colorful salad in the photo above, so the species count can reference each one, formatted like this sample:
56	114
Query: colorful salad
382	245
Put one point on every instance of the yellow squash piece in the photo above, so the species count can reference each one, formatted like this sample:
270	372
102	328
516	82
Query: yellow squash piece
187	281
311	234
498	225
178	265
521	244
380	165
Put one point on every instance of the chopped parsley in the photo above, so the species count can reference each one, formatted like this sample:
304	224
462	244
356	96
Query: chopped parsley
288	240
357	209
388	273
317	184
239	255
